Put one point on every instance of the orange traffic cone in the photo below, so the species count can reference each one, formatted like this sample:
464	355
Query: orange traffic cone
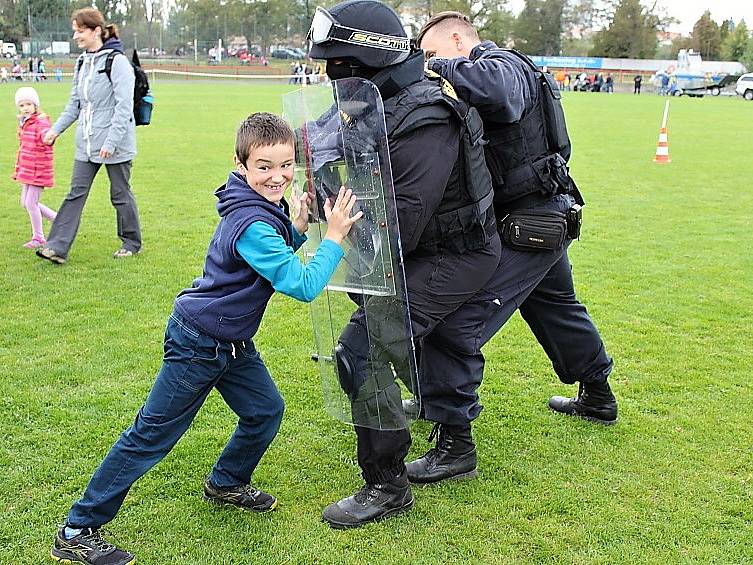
662	147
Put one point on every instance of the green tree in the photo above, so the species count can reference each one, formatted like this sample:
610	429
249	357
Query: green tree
683	42
724	29
631	33
492	18
736	42
706	37
747	58
538	28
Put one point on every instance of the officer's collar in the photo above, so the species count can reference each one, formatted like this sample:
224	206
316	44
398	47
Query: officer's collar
482	47
393	79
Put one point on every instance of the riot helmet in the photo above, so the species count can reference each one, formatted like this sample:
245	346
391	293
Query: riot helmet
366	33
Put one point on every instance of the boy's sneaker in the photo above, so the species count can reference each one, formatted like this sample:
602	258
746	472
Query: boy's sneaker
243	496
88	547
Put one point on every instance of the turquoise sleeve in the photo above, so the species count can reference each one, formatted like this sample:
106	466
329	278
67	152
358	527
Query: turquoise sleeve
298	239
269	255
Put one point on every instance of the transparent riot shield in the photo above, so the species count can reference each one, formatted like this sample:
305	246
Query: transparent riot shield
362	331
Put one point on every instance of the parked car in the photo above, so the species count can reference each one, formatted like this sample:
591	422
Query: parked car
285	53
744	86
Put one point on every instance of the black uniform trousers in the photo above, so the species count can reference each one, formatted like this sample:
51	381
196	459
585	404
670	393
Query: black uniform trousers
540	284
438	284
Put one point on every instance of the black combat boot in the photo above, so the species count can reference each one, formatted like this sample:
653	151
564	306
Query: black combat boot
594	402
372	503
454	456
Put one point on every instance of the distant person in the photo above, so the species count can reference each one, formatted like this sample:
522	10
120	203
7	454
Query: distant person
105	135
609	84
58	74
672	85
32	68
17	71
597	83
293	73
3	74
34	162
209	341
637	84
664	89
41	70
559	77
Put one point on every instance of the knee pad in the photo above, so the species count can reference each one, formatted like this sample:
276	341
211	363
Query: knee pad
350	372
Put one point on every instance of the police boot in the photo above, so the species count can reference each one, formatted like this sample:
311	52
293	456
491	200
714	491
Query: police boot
594	402
454	456
372	503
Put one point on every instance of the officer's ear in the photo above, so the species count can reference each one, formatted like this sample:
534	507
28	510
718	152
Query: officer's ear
457	39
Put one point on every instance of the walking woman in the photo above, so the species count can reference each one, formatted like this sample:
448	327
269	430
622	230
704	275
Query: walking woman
103	106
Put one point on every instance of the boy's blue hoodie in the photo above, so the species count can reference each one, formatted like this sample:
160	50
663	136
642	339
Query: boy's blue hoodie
227	302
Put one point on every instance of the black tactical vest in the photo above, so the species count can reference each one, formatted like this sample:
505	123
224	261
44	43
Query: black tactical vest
530	155
464	219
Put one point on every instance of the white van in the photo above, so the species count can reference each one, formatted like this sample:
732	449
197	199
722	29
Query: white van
745	86
7	50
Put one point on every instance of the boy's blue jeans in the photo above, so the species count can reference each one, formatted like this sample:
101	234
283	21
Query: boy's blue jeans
193	364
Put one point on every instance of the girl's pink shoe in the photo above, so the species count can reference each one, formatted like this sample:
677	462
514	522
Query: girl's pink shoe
34	243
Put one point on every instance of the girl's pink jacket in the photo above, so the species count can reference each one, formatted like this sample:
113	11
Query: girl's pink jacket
34	164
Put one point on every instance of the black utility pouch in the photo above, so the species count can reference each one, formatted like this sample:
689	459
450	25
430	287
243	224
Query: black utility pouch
530	231
574	221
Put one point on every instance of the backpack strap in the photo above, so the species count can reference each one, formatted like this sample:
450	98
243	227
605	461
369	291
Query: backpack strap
525	58
108	63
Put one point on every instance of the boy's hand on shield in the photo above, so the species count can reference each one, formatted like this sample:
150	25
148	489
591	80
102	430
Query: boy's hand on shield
339	220
301	208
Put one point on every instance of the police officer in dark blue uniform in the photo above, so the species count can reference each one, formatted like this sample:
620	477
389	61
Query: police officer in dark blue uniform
538	210
444	197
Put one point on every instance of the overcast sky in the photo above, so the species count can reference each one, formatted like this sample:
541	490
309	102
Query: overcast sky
688	11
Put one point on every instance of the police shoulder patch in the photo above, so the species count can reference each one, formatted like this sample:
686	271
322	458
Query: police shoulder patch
447	88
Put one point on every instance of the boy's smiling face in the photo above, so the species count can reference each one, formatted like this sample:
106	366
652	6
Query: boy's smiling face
269	169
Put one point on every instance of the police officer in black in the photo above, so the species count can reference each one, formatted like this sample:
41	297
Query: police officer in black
443	193
537	206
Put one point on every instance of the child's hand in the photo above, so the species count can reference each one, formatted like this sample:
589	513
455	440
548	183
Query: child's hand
49	137
301	221
339	220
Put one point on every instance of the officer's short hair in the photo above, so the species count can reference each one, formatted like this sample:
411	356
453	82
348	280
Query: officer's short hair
259	129
446	21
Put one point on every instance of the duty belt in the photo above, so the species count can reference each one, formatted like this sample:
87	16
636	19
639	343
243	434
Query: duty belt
527	201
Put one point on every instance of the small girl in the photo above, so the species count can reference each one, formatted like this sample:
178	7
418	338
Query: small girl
34	162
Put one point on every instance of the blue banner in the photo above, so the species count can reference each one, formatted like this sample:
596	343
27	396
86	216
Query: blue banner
571	62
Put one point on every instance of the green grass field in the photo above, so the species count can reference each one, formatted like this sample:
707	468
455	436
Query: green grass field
664	266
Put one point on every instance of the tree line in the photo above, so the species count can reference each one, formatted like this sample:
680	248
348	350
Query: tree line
603	28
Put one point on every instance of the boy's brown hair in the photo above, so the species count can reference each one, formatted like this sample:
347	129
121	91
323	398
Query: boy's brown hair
261	128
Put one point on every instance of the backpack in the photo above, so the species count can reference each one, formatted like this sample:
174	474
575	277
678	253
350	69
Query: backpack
551	105
143	102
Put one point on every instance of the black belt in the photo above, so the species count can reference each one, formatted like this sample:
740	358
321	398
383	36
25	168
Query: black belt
527	201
